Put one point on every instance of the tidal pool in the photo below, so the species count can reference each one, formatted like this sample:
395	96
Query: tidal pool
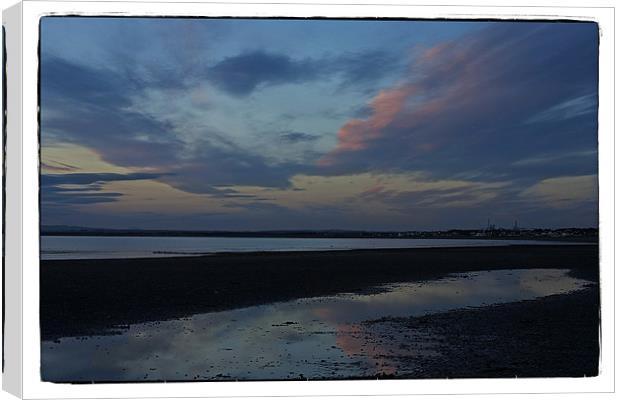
313	338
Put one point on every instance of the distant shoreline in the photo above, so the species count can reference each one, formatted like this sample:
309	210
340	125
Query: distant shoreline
585	239
492	232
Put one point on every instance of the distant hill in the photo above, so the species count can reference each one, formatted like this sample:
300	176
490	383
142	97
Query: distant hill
581	234
65	228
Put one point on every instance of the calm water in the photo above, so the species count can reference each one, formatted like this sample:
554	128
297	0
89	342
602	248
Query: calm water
312	338
83	247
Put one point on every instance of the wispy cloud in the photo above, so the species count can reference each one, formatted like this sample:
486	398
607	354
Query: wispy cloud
549	158
83	188
568	109
462	104
564	192
58	166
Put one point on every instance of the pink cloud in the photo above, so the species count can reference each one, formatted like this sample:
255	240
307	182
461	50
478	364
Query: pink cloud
441	78
357	133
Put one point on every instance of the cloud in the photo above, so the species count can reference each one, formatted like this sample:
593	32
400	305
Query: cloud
73	81
87	106
154	52
295	137
241	74
565	191
438	194
100	118
211	167
357	134
83	188
568	109
463	104
548	158
362	68
90	178
513	104
58	166
70	197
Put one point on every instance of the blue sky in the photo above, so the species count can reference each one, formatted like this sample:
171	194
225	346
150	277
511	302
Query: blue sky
317	124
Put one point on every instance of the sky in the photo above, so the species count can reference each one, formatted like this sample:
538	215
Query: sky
257	124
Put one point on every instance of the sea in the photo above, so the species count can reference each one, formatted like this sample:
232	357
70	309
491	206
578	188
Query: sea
106	247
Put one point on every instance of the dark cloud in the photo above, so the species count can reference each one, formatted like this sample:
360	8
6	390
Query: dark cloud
216	168
295	137
74	83
85	188
88	106
90	178
240	75
57	197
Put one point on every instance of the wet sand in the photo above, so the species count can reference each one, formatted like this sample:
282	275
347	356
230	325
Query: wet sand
86	297
555	336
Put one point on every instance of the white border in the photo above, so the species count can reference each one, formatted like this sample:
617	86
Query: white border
34	388
11	20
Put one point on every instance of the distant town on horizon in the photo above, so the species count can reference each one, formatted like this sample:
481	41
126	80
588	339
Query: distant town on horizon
489	232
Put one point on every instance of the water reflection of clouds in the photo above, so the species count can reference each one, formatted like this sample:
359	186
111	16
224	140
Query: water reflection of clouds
541	282
452	292
307	338
387	348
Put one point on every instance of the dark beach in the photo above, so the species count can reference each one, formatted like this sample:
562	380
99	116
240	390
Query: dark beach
552	336
81	297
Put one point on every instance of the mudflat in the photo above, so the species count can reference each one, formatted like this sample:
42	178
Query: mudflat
86	297
553	336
